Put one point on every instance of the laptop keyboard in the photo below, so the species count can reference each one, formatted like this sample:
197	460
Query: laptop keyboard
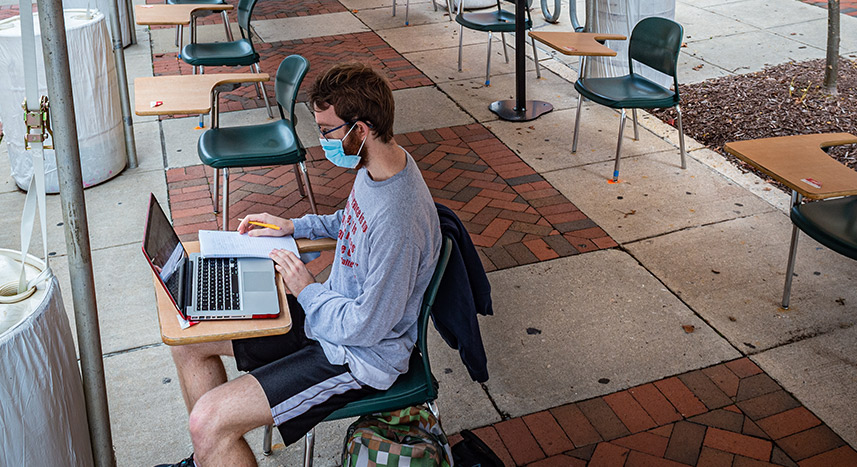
217	280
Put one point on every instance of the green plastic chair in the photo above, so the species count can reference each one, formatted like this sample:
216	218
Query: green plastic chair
233	53
501	21
655	42
832	222
180	28
274	143
417	386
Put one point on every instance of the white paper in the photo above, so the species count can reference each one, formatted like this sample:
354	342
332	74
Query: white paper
231	244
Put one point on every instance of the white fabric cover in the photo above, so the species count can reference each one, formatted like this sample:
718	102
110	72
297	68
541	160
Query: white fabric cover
42	409
96	99
620	17
104	7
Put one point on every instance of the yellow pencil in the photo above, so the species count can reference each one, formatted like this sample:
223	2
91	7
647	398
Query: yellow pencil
262	224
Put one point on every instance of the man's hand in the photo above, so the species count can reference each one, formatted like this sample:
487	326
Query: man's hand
286	226
294	271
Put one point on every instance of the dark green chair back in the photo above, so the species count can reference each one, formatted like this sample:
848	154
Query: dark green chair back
833	223
245	10
290	74
656	42
418	385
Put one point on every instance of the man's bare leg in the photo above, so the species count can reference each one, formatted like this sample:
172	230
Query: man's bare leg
199	368
222	416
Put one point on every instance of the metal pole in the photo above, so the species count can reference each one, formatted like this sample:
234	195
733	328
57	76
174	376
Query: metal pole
119	55
73	204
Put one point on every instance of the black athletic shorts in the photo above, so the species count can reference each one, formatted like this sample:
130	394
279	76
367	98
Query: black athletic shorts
302	386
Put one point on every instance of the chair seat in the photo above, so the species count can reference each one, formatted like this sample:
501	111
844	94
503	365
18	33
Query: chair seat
234	53
494	21
626	92
411	388
833	223
268	144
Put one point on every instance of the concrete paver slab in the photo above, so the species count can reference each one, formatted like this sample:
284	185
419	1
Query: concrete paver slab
115	212
565	330
181	137
428	37
700	23
814	33
820	372
7	183
441	65
693	70
127	309
426	108
475	97
769	13
731	273
730	53
546	143
303	27
360	5
147	137
655	196
420	13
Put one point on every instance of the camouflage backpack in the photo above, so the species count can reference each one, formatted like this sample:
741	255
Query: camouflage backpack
411	436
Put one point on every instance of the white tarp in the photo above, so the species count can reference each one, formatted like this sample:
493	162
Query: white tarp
96	99
42	410
620	17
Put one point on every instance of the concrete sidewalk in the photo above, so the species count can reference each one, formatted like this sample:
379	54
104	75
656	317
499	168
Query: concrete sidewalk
594	284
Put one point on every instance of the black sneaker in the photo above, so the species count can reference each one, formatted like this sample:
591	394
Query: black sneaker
184	463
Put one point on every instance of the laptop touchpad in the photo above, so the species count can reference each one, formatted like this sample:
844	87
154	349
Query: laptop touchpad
257	281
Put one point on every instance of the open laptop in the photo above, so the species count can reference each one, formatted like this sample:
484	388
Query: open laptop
208	288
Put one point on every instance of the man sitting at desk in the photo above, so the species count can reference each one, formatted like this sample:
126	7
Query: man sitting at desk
352	334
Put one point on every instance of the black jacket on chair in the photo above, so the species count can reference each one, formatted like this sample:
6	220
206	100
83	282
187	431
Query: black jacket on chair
464	292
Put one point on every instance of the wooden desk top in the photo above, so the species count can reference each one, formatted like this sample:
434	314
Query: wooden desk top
183	94
172	15
578	43
792	159
221	330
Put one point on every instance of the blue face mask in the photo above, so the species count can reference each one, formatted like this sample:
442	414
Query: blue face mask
335	153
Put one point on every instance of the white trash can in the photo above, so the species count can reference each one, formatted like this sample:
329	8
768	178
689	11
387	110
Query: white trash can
96	99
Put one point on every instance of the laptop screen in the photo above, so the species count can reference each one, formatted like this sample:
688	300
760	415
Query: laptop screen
162	247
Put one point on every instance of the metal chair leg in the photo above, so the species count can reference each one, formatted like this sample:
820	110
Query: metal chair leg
505	53
536	58
226	25
790	267
681	138
299	179
407	9
488	65
449	8
225	199
264	94
576	123
180	41
216	195
460	42
634	117
394	7
178	28
619	146
308	188
309	442
266	440
201	116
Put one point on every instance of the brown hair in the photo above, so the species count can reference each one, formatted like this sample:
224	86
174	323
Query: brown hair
357	92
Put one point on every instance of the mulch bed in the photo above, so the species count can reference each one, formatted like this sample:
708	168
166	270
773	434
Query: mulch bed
783	100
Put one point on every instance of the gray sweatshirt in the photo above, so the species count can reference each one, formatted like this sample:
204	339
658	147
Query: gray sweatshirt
388	241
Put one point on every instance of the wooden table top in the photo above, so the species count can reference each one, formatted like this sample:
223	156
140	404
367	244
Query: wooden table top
221	330
172	15
578	43
799	163
183	94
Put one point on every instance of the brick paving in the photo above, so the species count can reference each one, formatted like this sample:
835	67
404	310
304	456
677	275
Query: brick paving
513	215
321	52
731	414
846	7
270	10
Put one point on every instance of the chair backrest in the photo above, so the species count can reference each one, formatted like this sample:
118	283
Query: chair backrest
290	74
656	42
425	308
245	11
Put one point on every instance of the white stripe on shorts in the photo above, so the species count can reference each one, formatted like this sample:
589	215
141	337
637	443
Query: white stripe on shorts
312	396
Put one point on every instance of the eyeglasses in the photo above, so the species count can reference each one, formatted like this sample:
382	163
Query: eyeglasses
324	133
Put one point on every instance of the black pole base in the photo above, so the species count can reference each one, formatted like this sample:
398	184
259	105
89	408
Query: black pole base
507	110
